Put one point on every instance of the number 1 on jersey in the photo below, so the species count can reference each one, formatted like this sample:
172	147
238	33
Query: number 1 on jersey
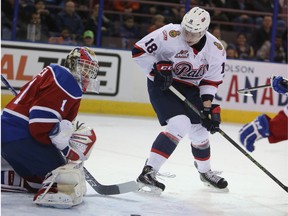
63	104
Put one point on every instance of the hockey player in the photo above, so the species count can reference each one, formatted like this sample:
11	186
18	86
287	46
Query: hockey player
191	58
275	129
40	147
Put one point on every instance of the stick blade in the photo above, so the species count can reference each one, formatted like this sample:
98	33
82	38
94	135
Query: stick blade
245	92
121	188
125	187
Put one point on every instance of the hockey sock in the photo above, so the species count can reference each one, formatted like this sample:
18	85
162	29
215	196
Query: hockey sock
162	148
202	157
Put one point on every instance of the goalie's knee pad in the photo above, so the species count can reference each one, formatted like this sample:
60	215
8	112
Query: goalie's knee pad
64	187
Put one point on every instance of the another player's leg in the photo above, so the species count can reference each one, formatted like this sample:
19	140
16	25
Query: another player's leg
164	145
201	151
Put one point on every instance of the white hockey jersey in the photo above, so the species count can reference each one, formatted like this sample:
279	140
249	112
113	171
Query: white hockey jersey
203	68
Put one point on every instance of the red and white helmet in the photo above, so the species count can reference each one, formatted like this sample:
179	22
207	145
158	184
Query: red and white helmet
196	21
83	65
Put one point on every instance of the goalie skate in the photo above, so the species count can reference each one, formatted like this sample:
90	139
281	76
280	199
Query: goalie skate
148	183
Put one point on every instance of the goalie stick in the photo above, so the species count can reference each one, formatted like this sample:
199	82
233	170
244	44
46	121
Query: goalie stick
6	83
110	189
247	91
195	109
99	188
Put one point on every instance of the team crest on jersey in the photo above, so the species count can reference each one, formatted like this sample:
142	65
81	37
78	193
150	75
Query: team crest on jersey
174	33
182	54
165	35
218	45
186	71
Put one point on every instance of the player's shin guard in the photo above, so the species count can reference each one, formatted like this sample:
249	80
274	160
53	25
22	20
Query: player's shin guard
64	187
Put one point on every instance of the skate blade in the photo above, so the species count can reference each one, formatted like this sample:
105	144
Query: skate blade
149	189
215	189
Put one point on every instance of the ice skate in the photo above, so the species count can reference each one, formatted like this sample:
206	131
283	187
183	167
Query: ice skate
213	180
148	183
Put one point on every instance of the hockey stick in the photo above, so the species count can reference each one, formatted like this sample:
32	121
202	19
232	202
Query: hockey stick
99	188
195	109
110	189
6	83
247	91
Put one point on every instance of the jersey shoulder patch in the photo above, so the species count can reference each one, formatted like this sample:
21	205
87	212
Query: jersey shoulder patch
218	45
174	33
66	81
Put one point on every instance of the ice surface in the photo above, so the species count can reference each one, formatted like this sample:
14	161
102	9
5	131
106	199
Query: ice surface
123	144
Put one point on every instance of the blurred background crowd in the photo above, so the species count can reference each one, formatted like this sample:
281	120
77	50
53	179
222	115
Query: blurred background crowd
248	29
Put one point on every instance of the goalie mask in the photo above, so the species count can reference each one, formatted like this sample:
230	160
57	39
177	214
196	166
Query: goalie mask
194	25
84	67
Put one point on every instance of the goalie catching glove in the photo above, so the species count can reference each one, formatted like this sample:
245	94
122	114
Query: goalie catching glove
74	144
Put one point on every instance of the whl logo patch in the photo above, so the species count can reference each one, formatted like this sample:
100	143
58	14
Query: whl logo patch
182	54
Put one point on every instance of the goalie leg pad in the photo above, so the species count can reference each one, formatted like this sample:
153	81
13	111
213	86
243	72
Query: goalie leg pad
64	187
13	182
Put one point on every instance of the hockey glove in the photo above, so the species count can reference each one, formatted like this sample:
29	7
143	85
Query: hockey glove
83	140
163	77
75	145
279	84
255	130
212	120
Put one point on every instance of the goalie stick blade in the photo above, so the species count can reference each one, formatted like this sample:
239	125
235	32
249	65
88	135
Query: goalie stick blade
125	187
244	92
247	91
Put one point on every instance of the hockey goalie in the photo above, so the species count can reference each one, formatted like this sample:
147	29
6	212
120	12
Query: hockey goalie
42	150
